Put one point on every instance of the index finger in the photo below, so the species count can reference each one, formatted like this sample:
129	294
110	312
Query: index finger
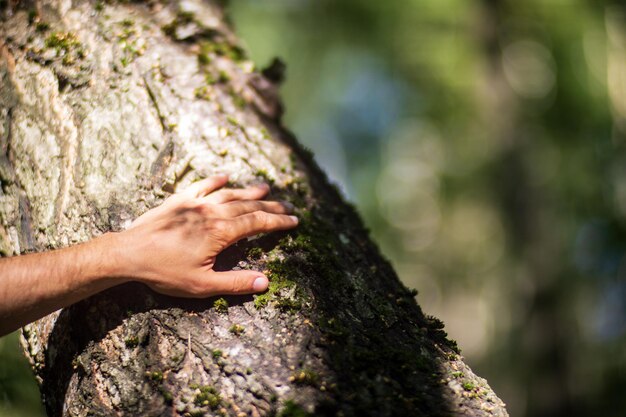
259	222
206	186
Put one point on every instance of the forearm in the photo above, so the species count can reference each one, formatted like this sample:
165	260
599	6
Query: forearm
32	286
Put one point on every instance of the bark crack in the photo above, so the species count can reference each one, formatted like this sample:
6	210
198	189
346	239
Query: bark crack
155	103
9	179
27	243
67	138
166	155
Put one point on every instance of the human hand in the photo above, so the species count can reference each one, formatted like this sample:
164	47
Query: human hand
173	247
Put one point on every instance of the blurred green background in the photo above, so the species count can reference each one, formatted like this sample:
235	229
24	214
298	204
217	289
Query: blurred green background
484	142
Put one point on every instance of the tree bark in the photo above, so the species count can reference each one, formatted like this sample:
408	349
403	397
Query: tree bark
106	108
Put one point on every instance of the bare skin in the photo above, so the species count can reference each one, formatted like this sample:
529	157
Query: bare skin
171	248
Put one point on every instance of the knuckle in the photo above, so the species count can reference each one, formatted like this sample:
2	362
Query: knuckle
233	285
221	233
217	211
203	209
261	218
277	207
219	226
188	206
238	284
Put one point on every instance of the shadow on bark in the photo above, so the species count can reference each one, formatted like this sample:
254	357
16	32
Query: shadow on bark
378	363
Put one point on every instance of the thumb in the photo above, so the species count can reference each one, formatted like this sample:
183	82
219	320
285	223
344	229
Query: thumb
238	282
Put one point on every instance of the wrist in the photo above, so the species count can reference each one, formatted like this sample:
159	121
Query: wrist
112	263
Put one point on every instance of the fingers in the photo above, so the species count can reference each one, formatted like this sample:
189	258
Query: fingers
206	186
259	222
236	282
238	208
250	193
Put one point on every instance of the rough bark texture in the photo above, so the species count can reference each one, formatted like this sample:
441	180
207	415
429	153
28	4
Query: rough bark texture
105	108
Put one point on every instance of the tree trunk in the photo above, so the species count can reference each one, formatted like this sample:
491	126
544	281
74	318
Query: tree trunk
106	108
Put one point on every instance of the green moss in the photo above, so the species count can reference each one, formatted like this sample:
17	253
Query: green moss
155	376
332	327
222	48
458	374
233	52
168	398
185	16
312	247
204	56
238	101
277	283
202	93
292	409
182	18
288	304
223	77
217	354
130	43
305	377
434	323
233	121
455	347
208	396
68	60
255	252
236	329
32	16
63	42
170	29
221	305
132	342
210	79
261	173
468	386
42	26
204	59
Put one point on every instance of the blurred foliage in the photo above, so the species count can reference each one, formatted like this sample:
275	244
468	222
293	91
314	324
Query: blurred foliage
19	395
484	143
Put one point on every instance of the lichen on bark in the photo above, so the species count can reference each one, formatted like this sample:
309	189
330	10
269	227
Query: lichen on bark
105	109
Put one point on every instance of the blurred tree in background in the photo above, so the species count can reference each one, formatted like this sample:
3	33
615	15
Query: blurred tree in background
484	141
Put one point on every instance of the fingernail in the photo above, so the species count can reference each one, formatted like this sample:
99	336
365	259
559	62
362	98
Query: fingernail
287	205
263	185
294	218
260	284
